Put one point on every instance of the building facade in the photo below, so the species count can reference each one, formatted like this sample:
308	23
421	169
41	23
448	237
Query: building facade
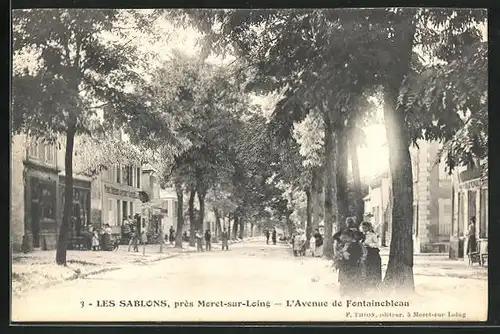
115	196
432	191
470	200
432	203
37	194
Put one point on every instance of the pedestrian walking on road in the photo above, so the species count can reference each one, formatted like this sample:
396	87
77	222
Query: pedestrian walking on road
208	240
198	238
134	241
267	236
225	239
372	264
274	236
171	235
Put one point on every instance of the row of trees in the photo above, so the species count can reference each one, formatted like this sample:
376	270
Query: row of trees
195	122
327	61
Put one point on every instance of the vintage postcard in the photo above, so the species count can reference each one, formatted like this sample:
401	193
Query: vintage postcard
246	165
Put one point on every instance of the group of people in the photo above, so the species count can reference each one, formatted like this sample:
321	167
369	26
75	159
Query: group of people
357	256
299	243
272	235
208	240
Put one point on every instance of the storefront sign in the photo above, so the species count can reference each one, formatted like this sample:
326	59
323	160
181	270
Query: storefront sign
472	184
120	192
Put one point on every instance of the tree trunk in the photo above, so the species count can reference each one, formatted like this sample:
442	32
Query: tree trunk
180	215
229	226
359	203
308	216
342	164
192	221
330	189
242	228
289	224
235	227
64	229
316	191
399	274
201	219
217	224
251	229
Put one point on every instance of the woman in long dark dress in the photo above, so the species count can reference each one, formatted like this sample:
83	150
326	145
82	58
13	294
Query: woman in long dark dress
372	265
471	236
349	264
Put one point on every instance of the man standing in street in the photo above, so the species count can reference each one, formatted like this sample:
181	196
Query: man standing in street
267	236
274	236
198	238
208	240
225	238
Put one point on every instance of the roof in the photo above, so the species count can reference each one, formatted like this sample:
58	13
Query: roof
366	198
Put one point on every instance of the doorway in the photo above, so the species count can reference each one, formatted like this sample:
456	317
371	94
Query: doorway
35	222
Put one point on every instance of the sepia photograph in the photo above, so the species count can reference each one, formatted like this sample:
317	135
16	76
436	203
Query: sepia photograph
249	165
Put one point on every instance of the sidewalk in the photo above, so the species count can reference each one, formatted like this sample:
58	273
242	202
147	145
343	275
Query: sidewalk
38	269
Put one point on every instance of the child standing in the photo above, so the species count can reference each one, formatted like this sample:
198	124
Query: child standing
312	245
95	240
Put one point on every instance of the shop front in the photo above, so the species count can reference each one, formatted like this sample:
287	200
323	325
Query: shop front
40	191
119	203
80	220
470	202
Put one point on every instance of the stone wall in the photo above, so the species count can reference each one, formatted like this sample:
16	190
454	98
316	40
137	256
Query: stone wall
17	192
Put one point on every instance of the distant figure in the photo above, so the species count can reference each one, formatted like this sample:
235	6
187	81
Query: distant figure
274	236
198	237
471	236
225	238
208	240
134	240
171	235
107	238
185	236
267	236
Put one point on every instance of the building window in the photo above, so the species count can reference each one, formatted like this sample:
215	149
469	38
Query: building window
111	216
483	229
127	175
48	200
138	177
33	150
49	154
444	221
118	174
